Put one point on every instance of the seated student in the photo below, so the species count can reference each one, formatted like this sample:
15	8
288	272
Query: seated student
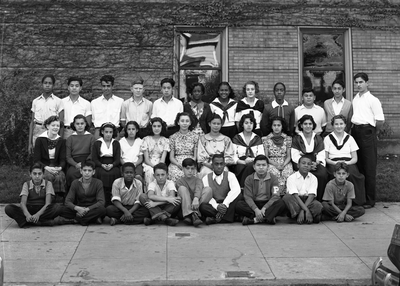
301	192
225	190
84	203
262	201
36	196
190	190
338	197
161	199
126	207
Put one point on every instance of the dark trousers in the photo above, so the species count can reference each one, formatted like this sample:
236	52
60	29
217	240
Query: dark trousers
167	209
208	210
365	136
354	211
138	215
16	213
90	217
276	209
294	208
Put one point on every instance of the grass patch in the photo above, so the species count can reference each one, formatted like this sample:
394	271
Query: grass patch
387	181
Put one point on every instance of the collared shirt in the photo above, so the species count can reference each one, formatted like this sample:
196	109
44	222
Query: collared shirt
233	185
52	152
261	189
167	111
127	196
297	184
130	153
48	189
43	108
337	106
367	109
137	111
106	151
296	154
339	194
73	108
281	112
345	152
316	112
231	112
104	110
168	188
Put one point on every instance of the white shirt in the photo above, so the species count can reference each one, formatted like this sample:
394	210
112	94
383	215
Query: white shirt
130	153
257	114
73	108
43	108
52	152
167	111
104	110
137	111
233	185
104	150
367	109
230	119
345	151
337	106
297	184
296	154
240	150
317	112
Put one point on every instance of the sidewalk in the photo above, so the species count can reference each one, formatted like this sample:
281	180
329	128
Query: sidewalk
283	254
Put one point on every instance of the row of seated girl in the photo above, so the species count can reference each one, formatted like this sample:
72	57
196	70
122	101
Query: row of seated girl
282	151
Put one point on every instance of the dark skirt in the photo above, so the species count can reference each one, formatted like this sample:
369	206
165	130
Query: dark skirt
74	173
242	172
107	177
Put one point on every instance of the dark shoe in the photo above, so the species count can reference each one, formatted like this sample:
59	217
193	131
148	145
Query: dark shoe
61	220
188	220
99	220
114	221
171	221
210	220
196	220
367	206
325	217
46	223
247	221
147	221
272	221
317	218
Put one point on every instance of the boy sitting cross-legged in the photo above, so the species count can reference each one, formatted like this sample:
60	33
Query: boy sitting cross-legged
125	192
338	197
161	199
301	192
262	200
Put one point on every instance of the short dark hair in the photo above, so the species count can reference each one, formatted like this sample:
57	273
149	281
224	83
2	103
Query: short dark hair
282	120
260	158
188	162
37	165
304	118
88	163
79	116
163	126
110	125
252	82
168	80
191	88
215	116
128	164
338	81
50	120
107	78
363	75
53	79
341	166
178	117
306	156
339	116
278	83
244	117
231	93
131	123
160	166
217	155
306	90
75	78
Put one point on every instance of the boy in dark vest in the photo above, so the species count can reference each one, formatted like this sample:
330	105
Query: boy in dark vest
225	190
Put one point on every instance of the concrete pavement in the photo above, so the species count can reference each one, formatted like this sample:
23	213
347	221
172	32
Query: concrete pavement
284	254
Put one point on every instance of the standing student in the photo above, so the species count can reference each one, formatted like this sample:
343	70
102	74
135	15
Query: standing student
309	108
339	194
262	198
225	106
74	104
107	107
84	203
367	119
137	108
225	190
167	107
44	106
278	107
35	207
126	207
250	105
337	105
161	199
301	192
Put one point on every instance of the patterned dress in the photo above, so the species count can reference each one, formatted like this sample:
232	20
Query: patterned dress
184	146
155	149
277	154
